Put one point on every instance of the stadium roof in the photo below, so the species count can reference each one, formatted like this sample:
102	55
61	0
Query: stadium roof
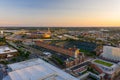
37	69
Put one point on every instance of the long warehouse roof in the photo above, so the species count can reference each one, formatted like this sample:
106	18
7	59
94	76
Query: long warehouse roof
37	69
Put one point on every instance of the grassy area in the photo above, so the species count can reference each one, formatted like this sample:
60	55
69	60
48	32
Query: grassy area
85	51
90	69
104	63
58	60
88	53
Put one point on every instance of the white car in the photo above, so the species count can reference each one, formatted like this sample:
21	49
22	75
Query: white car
47	54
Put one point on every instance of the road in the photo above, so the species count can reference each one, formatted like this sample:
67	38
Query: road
35	53
3	73
39	54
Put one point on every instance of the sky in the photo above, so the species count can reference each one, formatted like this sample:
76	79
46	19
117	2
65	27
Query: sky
60	13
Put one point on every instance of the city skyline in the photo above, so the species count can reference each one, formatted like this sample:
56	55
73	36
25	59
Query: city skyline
55	13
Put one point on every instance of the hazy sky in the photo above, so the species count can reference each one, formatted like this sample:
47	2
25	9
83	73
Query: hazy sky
59	12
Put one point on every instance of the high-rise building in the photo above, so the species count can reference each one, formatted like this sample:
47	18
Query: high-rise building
111	53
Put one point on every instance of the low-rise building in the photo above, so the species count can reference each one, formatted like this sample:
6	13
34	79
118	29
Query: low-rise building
36	69
90	76
109	68
7	52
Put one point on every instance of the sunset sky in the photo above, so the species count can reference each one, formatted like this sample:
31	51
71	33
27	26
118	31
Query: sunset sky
71	13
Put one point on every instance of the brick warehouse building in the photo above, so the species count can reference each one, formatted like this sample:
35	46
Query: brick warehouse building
7	52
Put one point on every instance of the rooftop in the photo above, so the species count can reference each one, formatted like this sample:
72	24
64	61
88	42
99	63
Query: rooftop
6	49
107	67
37	69
112	53
80	65
105	63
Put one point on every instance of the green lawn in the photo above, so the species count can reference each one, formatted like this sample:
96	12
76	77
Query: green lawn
104	63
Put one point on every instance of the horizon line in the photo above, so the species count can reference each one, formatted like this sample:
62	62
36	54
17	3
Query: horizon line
58	26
